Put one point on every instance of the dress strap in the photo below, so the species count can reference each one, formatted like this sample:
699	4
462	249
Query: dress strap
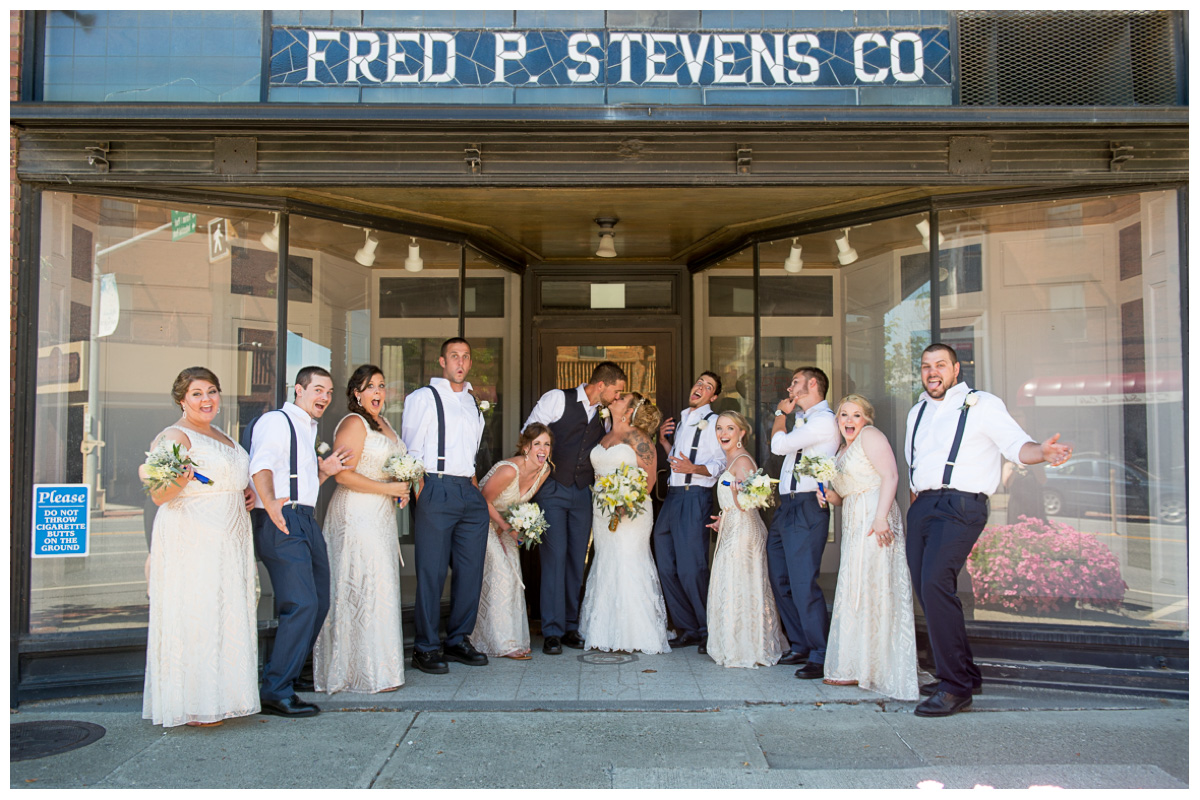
742	455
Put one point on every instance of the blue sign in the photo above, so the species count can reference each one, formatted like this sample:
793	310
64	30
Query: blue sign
60	519
605	58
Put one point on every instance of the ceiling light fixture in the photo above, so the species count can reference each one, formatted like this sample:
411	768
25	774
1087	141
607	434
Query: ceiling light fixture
794	263
846	253
270	239
414	263
366	253
606	248
923	229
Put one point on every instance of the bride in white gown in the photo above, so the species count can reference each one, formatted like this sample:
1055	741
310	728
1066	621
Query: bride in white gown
623	607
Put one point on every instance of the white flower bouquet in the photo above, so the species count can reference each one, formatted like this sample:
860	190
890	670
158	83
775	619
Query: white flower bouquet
757	491
165	463
821	468
529	521
405	468
624	491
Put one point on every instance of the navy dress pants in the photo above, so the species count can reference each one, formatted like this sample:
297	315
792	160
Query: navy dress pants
563	551
795	544
681	550
299	568
943	526
450	529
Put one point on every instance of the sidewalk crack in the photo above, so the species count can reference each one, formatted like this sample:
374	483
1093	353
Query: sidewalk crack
388	760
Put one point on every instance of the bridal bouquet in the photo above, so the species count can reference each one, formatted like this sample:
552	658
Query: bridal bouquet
405	468
165	463
528	520
757	491
822	468
622	491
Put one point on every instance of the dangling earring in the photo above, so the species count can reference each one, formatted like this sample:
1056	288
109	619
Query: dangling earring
739	447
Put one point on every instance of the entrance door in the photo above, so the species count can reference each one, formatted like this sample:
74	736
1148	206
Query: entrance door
567	358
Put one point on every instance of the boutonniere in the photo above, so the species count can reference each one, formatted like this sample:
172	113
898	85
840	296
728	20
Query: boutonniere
970	400
322	449
605	413
484	406
702	424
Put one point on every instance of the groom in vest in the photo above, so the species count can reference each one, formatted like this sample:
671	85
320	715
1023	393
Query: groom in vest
574	417
800	527
681	532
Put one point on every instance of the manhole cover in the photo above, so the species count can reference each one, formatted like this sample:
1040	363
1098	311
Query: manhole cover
608	658
29	740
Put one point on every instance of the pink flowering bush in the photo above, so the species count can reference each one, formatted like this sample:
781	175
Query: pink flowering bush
1044	566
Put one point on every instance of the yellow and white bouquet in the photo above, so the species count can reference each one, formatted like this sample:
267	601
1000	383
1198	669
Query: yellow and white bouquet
165	463
822	468
624	491
757	491
529	521
405	468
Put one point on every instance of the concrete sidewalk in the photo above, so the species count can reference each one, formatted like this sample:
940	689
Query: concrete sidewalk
613	721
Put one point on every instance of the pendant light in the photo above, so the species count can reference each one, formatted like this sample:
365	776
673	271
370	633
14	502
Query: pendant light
607	249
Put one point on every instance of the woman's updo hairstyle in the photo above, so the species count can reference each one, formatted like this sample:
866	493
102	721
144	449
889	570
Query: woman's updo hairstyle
525	440
358	381
740	422
643	415
860	401
184	380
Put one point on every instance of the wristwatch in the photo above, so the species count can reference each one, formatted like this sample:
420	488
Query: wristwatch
779	412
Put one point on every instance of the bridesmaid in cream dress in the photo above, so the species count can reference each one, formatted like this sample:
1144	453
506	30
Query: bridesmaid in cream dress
361	645
872	640
502	625
202	640
743	623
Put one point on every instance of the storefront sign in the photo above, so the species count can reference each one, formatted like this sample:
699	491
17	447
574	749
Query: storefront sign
60	519
549	58
182	224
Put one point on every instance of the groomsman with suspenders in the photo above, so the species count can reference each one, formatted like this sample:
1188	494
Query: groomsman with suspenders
681	532
800	527
442	426
954	440
574	417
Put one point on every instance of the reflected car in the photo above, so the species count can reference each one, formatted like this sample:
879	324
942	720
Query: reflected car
1085	484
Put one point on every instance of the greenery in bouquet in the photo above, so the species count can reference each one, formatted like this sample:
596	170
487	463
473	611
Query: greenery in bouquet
528	520
820	468
757	490
1044	566
405	468
165	463
622	492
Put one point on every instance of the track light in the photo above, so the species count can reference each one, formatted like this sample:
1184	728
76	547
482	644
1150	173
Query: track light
270	239
846	253
366	253
794	263
414	263
923	229
606	248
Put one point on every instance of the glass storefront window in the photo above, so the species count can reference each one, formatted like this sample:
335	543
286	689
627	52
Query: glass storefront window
1069	311
129	294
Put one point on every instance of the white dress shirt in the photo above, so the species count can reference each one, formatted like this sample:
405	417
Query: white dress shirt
464	428
816	433
708	452
271	447
990	433
551	406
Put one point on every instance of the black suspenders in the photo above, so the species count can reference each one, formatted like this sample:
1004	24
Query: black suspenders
441	415
958	436
293	463
687	480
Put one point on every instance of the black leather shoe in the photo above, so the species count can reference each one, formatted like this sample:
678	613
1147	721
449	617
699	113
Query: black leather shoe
685	640
431	662
552	646
792	658
304	685
573	640
288	707
942	704
930	689
702	648
464	653
811	671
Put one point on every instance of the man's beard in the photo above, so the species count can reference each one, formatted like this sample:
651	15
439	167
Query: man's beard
945	388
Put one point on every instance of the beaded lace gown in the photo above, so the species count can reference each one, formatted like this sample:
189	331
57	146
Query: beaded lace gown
202	640
502	625
743	622
361	645
623	606
871	635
